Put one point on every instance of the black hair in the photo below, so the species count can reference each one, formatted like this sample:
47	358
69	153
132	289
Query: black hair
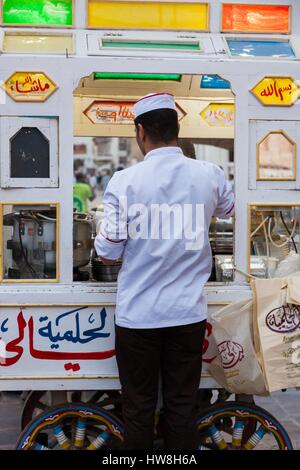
160	125
80	178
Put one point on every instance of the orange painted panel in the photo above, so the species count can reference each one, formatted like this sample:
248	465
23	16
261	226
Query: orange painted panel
256	18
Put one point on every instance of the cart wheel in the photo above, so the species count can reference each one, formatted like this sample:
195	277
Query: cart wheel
73	426
38	401
241	426
34	404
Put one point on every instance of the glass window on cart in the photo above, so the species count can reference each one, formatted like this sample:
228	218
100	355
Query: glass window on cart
104	143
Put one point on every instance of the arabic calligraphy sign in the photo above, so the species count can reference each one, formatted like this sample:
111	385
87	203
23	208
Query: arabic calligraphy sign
219	114
116	112
29	86
276	91
62	341
110	112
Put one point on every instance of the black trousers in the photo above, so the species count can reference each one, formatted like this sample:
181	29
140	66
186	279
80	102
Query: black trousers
141	355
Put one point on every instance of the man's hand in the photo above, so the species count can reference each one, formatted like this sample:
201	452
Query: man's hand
108	262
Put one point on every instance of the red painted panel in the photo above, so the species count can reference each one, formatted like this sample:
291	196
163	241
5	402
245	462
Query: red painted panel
256	18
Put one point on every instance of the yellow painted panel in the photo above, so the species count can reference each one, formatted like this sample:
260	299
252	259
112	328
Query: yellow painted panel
147	15
38	43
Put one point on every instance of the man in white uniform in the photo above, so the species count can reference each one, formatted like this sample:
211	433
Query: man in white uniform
156	217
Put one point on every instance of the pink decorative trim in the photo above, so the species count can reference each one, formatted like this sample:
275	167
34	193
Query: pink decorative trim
112	241
228	212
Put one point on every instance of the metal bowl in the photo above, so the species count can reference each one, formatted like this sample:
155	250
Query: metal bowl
104	273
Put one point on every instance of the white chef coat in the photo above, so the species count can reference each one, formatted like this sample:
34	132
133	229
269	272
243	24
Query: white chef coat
161	283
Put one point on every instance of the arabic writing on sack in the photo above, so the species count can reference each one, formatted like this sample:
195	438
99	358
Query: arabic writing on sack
209	351
231	353
284	319
75	334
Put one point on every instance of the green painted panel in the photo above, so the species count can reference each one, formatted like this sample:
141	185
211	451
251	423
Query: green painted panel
38	12
137	76
152	45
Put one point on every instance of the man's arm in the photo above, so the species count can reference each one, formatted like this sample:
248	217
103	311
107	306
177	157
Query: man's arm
112	237
90	193
225	206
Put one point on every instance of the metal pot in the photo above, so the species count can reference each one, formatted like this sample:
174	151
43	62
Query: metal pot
104	273
82	240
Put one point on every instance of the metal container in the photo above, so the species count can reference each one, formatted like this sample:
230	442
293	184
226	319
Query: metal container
225	270
104	273
33	244
221	236
82	240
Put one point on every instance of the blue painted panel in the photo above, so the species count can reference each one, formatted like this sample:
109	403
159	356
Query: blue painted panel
214	81
249	48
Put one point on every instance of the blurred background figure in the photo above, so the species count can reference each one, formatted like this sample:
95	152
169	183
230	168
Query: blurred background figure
82	193
93	178
106	175
187	147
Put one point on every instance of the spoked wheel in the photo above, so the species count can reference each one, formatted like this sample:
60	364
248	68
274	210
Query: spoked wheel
39	401
73	426
241	426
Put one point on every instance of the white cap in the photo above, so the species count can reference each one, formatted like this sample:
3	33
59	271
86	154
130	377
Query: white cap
154	101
